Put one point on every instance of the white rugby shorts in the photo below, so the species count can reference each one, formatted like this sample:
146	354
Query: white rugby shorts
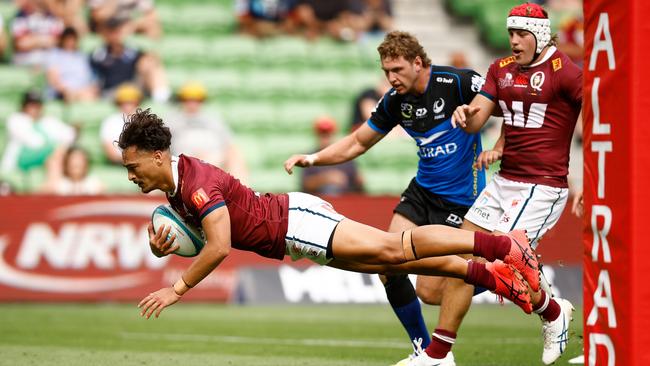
311	224
505	205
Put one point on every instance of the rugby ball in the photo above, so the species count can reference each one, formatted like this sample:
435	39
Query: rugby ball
188	237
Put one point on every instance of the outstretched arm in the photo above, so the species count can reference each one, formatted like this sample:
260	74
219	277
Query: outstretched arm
472	117
216	226
348	148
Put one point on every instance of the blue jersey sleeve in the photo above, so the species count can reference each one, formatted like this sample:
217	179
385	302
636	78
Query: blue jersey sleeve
382	119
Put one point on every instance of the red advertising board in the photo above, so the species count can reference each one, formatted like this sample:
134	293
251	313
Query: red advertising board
616	315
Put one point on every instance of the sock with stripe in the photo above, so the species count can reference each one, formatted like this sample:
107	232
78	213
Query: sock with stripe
478	275
547	308
406	305
441	342
491	247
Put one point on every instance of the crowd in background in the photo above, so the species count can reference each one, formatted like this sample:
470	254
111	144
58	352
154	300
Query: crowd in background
45	36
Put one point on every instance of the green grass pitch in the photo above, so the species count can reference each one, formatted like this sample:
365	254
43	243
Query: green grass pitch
210	334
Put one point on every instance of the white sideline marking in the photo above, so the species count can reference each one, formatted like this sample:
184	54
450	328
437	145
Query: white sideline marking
320	342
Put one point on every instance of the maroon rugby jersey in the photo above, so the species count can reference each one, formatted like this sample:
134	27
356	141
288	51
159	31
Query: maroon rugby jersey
258	223
540	106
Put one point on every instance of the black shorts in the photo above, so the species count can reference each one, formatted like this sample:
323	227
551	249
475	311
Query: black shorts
425	208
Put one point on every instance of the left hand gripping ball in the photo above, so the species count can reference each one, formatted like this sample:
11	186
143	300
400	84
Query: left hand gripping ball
188	237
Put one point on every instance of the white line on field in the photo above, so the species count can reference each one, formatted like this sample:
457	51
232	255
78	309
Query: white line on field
319	342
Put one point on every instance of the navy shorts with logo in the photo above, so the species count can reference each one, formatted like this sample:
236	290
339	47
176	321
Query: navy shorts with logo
425	208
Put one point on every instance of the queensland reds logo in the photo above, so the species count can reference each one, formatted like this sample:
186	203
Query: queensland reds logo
537	80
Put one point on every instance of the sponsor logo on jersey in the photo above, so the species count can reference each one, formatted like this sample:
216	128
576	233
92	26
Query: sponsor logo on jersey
507	81
481	213
521	81
557	64
477	83
440	150
444	80
438	105
420	112
537	80
407	110
427	140
454	219
515	202
506	61
200	198
505	219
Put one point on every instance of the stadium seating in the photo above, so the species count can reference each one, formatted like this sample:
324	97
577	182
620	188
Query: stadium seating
269	91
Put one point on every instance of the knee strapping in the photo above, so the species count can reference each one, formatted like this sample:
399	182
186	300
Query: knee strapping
408	247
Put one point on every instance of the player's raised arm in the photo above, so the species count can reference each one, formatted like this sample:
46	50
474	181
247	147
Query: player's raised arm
348	148
216	226
472	117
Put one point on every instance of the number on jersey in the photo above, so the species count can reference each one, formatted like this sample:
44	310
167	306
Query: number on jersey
535	118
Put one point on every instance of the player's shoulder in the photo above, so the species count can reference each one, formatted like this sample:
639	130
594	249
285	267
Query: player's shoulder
441	70
504	62
391	97
195	170
562	64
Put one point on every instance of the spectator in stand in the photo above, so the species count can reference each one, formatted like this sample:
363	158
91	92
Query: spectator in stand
72	12
3	38
366	101
69	75
34	32
139	16
571	38
340	19
377	16
204	135
127	99
34	140
263	18
458	60
333	179
115	63
6	189
73	178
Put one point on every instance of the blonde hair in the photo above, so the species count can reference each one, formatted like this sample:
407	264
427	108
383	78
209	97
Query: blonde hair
397	43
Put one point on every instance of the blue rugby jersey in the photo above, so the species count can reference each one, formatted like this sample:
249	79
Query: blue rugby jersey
446	154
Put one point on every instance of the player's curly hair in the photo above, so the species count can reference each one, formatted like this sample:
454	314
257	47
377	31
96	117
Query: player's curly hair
398	43
145	130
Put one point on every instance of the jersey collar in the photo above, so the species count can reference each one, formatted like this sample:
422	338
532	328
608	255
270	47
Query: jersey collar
174	174
549	53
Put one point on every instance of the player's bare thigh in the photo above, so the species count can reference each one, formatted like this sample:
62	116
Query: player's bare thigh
357	242
430	289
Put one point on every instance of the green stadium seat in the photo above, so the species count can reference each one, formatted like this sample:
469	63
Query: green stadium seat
15	80
393	153
236	51
204	19
274	180
114	179
292	52
252	118
386	181
89	113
